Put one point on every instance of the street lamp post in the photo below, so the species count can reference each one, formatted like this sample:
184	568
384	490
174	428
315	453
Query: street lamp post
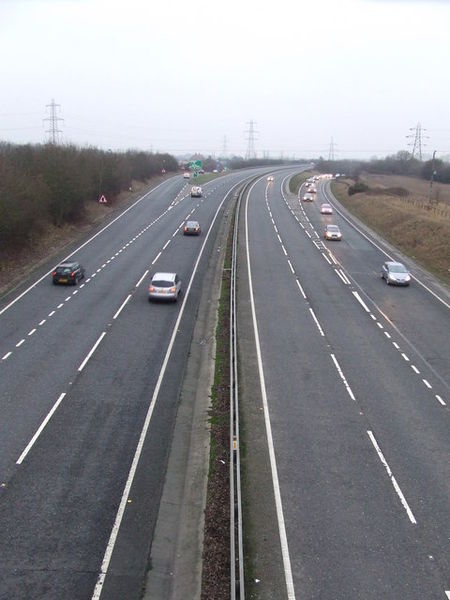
433	173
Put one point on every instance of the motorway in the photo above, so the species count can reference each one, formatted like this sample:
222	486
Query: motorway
345	400
89	386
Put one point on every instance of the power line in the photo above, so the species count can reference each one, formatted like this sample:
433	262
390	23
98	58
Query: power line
53	119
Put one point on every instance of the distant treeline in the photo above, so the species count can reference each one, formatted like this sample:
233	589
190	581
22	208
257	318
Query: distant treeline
41	184
398	164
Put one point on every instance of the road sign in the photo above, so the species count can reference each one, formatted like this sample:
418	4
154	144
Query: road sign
102	199
195	165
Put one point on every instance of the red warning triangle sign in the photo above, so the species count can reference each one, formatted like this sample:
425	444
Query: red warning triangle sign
102	199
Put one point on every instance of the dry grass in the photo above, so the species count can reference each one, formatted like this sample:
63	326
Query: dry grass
419	233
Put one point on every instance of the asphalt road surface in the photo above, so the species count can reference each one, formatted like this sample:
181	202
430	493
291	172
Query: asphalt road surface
89	386
350	378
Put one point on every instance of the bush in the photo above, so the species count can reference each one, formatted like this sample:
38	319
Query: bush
357	188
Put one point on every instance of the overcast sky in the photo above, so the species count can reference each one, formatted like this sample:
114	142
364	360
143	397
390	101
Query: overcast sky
183	77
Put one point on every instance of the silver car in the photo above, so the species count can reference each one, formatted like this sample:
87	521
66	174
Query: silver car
164	286
395	273
332	232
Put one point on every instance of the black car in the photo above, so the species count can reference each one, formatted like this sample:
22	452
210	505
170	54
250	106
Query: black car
68	272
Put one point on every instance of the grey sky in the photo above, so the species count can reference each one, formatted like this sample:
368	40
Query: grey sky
179	76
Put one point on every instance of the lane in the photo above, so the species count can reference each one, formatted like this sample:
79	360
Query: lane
58	506
349	533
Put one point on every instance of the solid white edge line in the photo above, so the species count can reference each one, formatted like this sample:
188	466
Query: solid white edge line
393	480
123	503
273	464
316	322
123	304
142	278
39	431
82	246
91	352
361	301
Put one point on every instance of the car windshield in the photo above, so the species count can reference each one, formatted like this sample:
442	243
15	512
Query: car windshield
162	283
64	270
333	228
192	224
397	269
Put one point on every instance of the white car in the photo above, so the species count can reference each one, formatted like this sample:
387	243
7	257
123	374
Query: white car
270	178
326	209
196	191
308	197
186	175
332	232
164	286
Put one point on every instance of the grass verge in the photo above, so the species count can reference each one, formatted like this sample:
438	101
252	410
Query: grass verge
216	544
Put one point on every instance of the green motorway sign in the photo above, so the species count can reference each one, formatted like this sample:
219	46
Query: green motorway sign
195	165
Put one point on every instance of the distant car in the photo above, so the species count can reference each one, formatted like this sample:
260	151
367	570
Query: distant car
326	209
186	175
164	286
270	178
191	228
308	197
332	232
395	273
68	272
196	191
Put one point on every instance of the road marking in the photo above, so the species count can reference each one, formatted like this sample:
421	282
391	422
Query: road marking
380	325
326	258
415	369
52	313
301	289
307	233
166	244
316	322
346	279
342	376
290	266
91	352
439	399
284	250
388	335
447	594
20	343
156	258
340	276
43	321
429	386
32	331
123	304
273	464
405	357
393	480
6	355
142	278
361	301
396	345
60	305
39	431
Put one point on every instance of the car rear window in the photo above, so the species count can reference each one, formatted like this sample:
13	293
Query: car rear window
64	270
162	283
